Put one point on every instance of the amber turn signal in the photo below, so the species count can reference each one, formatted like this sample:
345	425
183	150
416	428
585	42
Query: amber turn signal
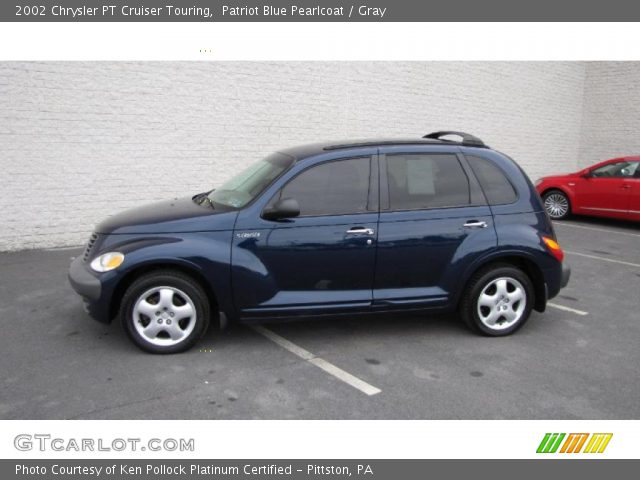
554	248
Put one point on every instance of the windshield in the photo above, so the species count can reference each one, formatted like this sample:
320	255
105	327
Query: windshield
248	184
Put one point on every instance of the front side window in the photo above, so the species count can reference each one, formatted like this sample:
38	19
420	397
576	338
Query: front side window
251	182
426	181
618	169
333	188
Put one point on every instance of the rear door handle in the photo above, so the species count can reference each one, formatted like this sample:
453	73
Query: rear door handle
360	231
626	185
475	224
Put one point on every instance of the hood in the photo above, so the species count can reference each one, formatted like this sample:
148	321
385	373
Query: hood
168	216
562	176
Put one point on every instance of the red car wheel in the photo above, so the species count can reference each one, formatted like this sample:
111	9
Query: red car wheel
557	205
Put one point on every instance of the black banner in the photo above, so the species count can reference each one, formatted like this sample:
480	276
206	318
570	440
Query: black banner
317	11
314	469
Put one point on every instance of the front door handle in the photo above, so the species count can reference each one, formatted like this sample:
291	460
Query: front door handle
360	231
475	224
626	185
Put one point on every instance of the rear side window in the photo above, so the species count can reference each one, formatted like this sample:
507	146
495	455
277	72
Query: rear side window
426	181
333	188
496	186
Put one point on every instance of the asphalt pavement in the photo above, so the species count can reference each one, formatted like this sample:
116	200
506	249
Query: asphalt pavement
578	360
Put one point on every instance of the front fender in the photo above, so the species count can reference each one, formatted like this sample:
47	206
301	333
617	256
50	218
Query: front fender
206	254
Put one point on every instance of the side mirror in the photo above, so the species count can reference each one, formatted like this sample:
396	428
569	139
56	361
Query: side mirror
283	208
586	174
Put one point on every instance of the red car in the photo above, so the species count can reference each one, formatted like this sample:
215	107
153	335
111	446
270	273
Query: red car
606	189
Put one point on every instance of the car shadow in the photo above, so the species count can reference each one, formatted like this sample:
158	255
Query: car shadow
380	324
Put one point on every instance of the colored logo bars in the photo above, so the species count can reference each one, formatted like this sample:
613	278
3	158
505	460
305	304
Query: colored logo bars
597	442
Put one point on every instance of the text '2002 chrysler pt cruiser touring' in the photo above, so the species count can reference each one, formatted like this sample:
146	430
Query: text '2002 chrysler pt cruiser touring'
350	228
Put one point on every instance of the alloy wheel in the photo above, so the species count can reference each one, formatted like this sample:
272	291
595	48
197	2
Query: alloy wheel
164	316
502	303
556	205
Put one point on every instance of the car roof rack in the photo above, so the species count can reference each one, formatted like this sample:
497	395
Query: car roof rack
467	139
373	143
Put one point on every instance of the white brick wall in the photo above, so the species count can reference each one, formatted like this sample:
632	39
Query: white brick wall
611	120
83	140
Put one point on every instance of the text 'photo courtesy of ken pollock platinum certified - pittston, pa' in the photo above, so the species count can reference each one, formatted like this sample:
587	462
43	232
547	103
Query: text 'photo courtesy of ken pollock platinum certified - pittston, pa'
193	469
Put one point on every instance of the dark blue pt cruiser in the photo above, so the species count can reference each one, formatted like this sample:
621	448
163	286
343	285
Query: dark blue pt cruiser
331	229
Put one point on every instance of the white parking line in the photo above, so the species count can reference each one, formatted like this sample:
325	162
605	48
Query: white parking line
606	230
330	368
567	309
610	260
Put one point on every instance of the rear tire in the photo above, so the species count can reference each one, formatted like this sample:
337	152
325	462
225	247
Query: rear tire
557	204
498	300
165	312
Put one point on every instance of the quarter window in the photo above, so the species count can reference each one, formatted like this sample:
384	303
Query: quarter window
497	188
419	181
334	188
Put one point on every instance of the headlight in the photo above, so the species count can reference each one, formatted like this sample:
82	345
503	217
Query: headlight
538	181
107	261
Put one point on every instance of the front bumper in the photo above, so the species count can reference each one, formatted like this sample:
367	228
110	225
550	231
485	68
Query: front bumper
90	288
83	282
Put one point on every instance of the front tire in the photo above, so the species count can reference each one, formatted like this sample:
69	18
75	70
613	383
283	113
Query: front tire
498	301
557	204
165	312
